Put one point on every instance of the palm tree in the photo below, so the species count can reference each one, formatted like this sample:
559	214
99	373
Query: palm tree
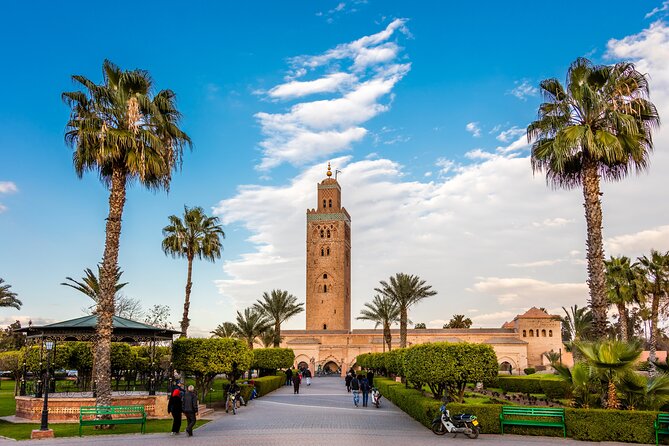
196	236
122	131
277	307
382	311
268	337
405	290
459	321
614	359
621	281
250	325
584	383
599	127
8	298
225	330
656	284
577	323
90	283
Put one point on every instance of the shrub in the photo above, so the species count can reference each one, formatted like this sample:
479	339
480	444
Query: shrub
529	370
411	401
267	384
610	425
520	384
394	361
271	359
555	389
487	414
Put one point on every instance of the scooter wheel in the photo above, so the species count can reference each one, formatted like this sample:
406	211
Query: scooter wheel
438	428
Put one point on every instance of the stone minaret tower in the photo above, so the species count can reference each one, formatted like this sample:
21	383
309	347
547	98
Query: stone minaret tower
328	260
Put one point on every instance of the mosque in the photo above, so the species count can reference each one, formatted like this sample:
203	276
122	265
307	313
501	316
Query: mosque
329	344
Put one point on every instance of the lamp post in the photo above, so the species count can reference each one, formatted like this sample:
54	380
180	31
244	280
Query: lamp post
22	392
45	407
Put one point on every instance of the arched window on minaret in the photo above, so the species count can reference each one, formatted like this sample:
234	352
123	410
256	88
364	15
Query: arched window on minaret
322	252
550	333
325	326
325	276
323	204
328	233
543	333
322	233
328	251
325	288
329	203
524	333
531	333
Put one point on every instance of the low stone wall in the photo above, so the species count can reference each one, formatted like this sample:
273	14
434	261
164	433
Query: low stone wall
64	409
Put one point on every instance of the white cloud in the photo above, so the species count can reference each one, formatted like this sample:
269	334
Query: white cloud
511	133
8	187
639	243
317	129
658	10
474	129
537	263
552	222
523	89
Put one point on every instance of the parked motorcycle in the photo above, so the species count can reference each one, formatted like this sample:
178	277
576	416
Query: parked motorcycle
232	402
457	424
376	397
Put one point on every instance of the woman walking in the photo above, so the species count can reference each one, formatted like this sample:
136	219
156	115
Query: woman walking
174	407
297	378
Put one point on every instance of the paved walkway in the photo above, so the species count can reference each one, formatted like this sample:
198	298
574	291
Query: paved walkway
322	414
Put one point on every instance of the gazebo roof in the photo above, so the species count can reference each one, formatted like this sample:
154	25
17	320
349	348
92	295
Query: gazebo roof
83	328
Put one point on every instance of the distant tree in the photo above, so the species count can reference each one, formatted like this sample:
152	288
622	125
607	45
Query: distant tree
250	325
268	338
405	290
8	298
383	311
11	340
622	288
278	306
459	321
420	326
597	127
197	235
158	316
655	276
225	330
576	324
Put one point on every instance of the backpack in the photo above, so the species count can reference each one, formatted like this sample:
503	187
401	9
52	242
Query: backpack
355	384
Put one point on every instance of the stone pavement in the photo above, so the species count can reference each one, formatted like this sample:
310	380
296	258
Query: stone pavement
322	414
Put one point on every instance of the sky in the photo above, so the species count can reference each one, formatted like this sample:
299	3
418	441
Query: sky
422	106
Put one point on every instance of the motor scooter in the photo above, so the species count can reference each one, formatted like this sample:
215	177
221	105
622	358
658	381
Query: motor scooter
376	397
457	424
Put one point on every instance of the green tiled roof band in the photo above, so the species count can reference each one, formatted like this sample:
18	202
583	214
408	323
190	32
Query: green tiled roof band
328	186
326	217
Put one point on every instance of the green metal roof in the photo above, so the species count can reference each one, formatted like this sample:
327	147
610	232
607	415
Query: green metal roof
92	320
84	327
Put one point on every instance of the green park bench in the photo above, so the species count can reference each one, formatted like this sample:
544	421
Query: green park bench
97	411
533	416
661	426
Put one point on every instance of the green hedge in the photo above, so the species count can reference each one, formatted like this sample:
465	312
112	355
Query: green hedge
267	384
629	426
555	389
420	408
520	384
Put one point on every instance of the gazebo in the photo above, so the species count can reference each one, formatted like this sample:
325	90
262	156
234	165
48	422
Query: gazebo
66	406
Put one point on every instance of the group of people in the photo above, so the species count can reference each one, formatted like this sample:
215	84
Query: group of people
295	379
183	402
358	384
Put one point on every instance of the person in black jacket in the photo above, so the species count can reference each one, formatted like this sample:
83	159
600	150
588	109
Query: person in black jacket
347	380
174	407
190	409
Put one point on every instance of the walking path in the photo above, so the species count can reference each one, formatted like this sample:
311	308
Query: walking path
322	414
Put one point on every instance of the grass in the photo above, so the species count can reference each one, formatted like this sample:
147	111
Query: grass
7	405
21	431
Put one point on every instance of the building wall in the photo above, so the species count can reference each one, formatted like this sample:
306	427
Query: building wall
542	335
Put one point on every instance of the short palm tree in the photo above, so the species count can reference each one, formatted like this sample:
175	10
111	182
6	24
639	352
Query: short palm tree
621	288
197	235
597	127
655	273
584	383
405	290
645	393
614	359
8	298
250	325
382	311
577	322
278	306
125	133
90	283
459	321
225	330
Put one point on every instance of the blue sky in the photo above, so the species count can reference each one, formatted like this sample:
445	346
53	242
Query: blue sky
467	73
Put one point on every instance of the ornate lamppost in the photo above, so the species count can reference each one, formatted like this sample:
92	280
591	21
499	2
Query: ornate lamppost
45	407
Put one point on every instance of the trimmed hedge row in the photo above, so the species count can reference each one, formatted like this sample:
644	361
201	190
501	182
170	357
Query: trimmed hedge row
552	388
267	384
582	424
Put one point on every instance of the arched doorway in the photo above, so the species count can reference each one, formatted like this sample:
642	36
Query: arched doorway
302	365
505	367
331	368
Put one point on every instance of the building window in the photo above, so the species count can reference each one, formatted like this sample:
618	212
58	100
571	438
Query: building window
325	326
543	333
322	233
328	233
335	311
327	251
323	204
325	276
330	203
550	333
322	252
531	333
524	333
325	288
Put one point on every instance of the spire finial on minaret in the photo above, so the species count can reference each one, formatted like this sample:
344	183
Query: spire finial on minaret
329	171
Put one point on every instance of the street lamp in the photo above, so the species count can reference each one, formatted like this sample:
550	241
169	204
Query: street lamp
22	392
45	408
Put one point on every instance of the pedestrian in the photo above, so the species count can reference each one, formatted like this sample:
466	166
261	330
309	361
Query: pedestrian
296	383
348	379
370	378
289	376
181	388
364	388
307	375
174	407
190	409
355	387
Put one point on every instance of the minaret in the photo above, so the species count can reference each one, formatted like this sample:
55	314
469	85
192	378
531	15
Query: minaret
328	260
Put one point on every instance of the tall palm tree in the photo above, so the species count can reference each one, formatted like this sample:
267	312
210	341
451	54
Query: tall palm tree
197	235
621	281
598	127
614	359
656	284
125	133
405	290
277	307
8	298
268	337
250	325
577	322
459	321
225	330
383	311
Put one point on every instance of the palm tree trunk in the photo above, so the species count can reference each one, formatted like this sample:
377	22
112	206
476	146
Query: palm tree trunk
387	336
403	327
653	331
105	307
595	248
185	322
277	334
622	318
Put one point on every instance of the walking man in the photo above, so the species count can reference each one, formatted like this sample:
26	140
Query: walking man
296	383
355	387
289	376
190	409
364	388
307	376
348	379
